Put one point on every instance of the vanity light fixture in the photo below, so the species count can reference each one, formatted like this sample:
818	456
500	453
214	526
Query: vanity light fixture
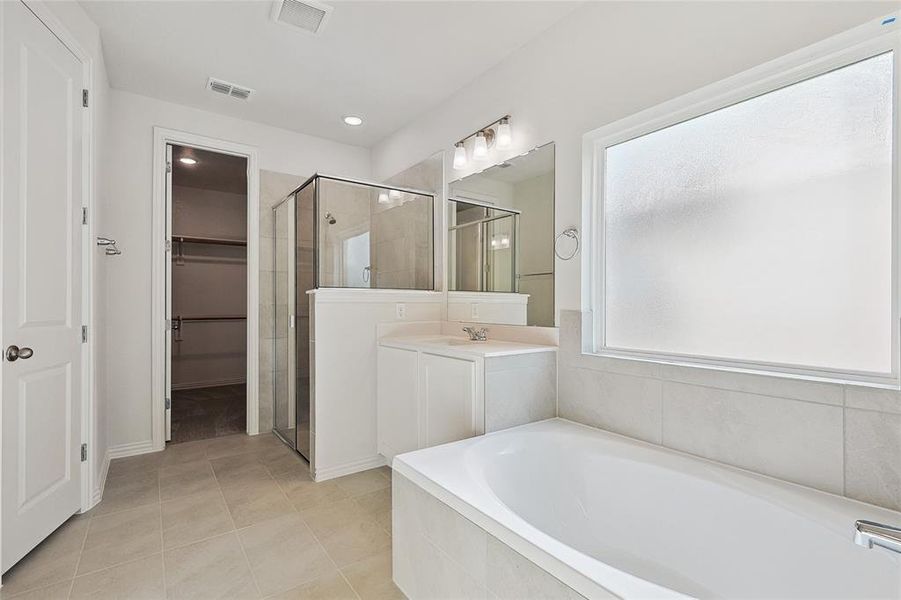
498	132
394	195
353	120
480	147
504	134
459	156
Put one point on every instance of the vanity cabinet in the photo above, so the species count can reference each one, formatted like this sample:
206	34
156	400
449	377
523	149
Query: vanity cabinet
447	395
435	389
426	399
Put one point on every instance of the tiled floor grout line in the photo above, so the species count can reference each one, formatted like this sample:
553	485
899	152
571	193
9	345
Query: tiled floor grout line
253	576
84	541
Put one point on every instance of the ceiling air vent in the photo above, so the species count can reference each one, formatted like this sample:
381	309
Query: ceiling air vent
308	15
229	89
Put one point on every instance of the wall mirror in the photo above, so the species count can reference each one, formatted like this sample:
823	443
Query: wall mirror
500	242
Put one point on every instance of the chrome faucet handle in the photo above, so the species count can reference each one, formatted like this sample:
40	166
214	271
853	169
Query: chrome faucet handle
870	533
476	335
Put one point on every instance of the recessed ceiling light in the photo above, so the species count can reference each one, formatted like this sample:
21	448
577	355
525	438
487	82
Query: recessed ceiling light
353	120
187	160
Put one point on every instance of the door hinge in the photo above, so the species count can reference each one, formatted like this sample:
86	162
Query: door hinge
84	98
168	324
168	167
84	334
84	215
84	452
168	403
168	245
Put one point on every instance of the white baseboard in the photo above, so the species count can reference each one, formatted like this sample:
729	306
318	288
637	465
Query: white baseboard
194	385
97	494
133	449
356	466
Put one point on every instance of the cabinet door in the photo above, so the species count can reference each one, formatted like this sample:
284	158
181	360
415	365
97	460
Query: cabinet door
447	386
398	404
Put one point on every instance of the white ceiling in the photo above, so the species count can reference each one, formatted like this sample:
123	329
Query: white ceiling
386	61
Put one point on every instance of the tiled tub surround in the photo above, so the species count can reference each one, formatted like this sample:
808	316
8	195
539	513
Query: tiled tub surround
439	553
843	439
549	509
520	389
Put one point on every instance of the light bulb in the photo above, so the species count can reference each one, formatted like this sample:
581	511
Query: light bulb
480	148
353	120
505	242
459	156
383	198
504	134
187	160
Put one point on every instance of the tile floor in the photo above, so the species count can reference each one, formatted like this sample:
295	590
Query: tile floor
230	517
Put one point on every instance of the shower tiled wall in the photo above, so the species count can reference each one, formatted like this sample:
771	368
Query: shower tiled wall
843	439
402	250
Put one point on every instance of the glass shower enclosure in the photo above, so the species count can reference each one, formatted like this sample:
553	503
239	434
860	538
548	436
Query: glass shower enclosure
337	233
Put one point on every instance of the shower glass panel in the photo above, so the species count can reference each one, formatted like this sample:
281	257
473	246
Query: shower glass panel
481	248
283	416
374	237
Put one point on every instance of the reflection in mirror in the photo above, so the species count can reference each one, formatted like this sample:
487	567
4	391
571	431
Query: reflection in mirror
500	244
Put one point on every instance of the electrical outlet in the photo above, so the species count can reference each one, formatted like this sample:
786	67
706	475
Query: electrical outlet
474	311
401	310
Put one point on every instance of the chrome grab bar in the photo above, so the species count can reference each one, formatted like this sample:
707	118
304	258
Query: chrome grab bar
870	533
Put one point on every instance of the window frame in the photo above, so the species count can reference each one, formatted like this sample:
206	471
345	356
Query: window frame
866	41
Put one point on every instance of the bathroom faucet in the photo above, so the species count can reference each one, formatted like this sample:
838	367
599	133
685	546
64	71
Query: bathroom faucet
476	335
870	533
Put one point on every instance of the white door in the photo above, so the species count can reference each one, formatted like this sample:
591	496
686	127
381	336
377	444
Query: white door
169	322
40	224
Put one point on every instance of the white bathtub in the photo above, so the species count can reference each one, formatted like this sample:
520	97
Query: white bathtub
608	515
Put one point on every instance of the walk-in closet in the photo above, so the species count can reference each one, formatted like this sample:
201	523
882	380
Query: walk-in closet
208	296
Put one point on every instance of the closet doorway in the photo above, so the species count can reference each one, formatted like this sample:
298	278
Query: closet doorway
207	299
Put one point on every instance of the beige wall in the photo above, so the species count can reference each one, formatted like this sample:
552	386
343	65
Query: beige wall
128	215
209	280
846	439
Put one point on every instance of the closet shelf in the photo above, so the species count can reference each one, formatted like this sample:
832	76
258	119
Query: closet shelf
195	239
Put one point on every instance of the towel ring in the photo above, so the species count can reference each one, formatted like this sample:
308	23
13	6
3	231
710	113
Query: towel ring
570	232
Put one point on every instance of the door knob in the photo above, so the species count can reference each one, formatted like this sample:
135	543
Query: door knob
14	353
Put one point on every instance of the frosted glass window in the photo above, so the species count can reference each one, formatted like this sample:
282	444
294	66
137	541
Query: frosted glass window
760	232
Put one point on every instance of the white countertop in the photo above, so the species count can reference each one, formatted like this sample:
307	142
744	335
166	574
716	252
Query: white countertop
450	344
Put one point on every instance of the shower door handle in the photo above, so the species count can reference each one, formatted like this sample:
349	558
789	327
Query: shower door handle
367	274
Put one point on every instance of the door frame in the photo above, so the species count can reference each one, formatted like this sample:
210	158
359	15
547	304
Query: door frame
162	137
89	495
